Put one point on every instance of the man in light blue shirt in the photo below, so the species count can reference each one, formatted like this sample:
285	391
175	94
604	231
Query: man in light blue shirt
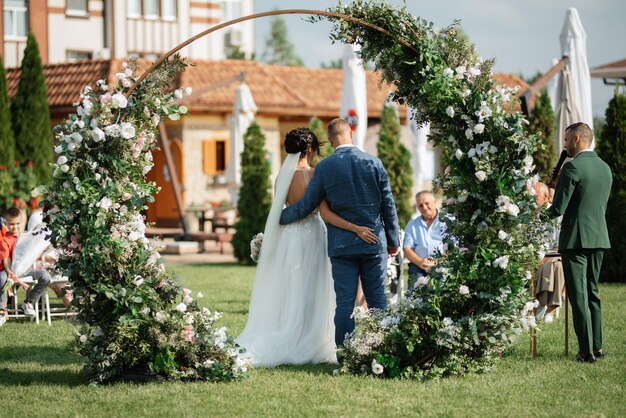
423	237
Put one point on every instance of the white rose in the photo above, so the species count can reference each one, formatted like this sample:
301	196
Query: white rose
65	168
512	209
105	203
88	106
138	281
464	290
112	130
502	235
83	338
448	72
187	300
481	175
377	368
97	135
119	101
474	72
458	154
160	316
71	146
155	120
182	109
127	130
181	307
58	149
479	128
466	93
188	91
450	111
469	134
471	152
463	196
501	262
62	160
178	93
447	321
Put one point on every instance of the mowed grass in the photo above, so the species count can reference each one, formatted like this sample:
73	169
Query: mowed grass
39	376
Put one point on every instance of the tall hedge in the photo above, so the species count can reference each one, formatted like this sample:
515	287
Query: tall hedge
397	161
7	142
611	146
543	123
317	127
31	116
255	197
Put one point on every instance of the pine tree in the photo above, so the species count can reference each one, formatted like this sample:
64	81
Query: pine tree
317	127
611	147
397	161
7	142
543	123
278	49
31	116
255	198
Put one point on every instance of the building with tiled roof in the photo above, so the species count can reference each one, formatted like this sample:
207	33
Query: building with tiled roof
610	72
286	97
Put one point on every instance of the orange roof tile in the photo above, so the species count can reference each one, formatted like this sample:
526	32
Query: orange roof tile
289	91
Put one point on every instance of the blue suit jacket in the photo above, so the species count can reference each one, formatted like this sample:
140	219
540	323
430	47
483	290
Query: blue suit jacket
356	187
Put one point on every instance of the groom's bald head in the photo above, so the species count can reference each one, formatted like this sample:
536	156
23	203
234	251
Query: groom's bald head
339	132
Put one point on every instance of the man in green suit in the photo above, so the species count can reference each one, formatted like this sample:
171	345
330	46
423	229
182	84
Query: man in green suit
581	196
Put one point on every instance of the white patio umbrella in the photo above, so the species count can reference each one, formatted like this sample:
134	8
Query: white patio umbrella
423	160
354	95
567	110
574	46
243	115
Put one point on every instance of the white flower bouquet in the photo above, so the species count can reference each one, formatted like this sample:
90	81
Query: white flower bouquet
255	247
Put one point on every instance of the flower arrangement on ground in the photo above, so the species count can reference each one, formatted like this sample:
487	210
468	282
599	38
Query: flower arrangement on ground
134	318
465	313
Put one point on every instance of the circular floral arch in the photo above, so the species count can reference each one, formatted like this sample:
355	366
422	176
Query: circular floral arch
135	318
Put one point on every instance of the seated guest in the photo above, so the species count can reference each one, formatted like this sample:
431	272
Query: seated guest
37	224
549	277
13	218
423	237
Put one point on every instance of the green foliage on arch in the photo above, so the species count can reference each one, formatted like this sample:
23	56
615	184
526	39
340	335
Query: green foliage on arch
464	315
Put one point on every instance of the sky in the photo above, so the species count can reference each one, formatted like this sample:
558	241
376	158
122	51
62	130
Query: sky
522	36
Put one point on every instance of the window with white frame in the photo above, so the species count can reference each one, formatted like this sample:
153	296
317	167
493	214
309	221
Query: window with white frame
73	56
15	19
76	7
133	8
231	9
151	9
169	10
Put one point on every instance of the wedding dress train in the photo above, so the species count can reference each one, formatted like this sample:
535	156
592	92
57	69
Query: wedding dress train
290	320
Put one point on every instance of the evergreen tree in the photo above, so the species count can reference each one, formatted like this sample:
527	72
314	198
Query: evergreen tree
611	146
7	143
278	49
317	127
397	161
255	197
543	123
31	116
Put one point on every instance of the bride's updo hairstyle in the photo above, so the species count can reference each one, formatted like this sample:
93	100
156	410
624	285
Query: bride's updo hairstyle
300	140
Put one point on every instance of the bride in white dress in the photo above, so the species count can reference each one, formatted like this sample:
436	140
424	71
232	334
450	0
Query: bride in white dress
290	320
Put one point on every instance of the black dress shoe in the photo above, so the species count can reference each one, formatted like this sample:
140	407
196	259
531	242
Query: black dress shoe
598	354
585	358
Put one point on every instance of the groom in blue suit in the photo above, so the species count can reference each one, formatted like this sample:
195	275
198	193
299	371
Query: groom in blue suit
356	187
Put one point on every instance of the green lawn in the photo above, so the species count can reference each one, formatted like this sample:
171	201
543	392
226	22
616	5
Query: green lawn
39	376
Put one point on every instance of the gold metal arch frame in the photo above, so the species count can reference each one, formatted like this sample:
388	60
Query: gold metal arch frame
265	14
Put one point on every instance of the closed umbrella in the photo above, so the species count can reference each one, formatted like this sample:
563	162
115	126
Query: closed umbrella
354	95
243	115
574	46
567	110
423	160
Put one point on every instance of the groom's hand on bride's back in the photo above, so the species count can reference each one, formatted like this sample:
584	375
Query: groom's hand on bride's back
393	251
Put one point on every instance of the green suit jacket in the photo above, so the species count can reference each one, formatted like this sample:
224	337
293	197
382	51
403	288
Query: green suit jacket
581	196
